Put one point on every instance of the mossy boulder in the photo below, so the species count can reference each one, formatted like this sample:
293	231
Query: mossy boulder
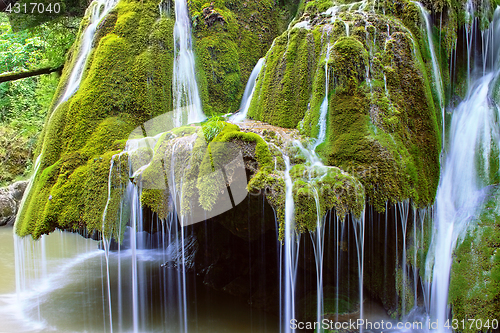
202	178
381	122
127	81
475	274
230	37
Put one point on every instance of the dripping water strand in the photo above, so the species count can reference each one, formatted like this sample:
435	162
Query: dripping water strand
436	72
249	92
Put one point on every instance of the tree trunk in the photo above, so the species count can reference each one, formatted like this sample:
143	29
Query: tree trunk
22	75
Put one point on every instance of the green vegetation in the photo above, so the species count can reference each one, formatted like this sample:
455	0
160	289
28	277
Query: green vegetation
475	273
283	93
24	103
231	36
382	128
375	80
317	190
127	82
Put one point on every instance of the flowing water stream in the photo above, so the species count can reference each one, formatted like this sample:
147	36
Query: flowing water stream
61	287
473	130
66	283
98	10
187	102
248	94
474	133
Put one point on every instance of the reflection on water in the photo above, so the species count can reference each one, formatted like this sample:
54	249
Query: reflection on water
63	288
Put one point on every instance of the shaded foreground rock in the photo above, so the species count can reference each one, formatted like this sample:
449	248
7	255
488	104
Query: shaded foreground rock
10	199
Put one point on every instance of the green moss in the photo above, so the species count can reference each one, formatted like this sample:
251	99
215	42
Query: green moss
230	38
157	200
406	297
317	190
475	275
283	92
384	130
127	81
350	59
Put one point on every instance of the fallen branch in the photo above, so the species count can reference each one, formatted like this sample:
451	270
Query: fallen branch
22	75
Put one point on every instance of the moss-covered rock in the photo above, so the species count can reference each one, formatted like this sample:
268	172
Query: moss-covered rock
201	177
230	38
475	274
127	81
381	120
15	155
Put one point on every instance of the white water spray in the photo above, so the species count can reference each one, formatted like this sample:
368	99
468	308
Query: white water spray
249	91
187	102
98	10
463	178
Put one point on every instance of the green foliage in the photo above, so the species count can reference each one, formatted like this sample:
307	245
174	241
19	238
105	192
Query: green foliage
15	154
212	127
42	46
24	103
28	17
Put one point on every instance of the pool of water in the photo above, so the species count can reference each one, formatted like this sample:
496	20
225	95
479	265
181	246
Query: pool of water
62	287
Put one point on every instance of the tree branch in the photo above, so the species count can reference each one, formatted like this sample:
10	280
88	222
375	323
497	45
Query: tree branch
22	75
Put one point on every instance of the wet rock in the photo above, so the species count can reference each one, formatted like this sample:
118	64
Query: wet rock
17	189
10	200
211	16
8	208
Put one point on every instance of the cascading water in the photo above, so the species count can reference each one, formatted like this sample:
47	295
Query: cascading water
248	94
98	10
187	102
290	255
324	104
291	242
473	134
436	72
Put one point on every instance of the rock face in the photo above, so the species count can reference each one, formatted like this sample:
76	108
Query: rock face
381	123
10	199
127	82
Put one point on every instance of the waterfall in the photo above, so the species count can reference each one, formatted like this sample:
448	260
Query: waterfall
318	240
44	267
98	10
436	72
404	210
186	98
106	242
248	94
324	105
463	178
290	256
291	249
